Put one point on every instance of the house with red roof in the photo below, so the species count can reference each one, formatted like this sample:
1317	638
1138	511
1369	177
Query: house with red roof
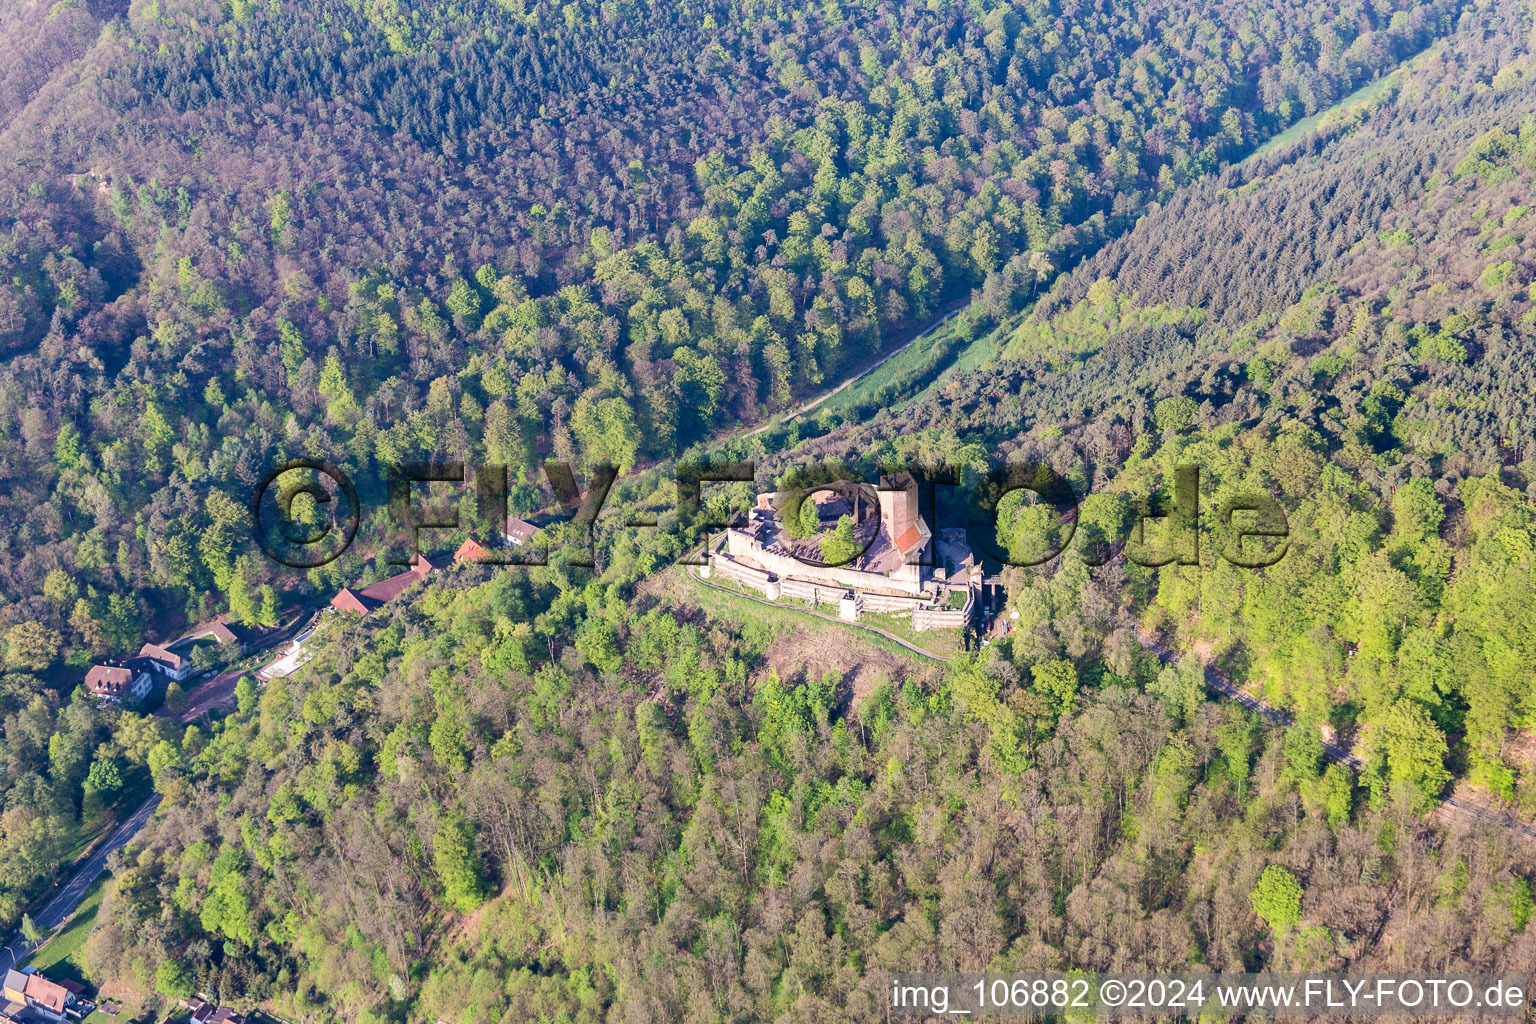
115	680
169	663
30	996
47	994
363	600
472	551
515	532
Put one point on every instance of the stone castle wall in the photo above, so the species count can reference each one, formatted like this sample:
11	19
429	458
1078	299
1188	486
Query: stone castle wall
775	586
740	545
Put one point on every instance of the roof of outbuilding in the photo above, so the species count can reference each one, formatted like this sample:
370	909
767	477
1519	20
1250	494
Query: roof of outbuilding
910	538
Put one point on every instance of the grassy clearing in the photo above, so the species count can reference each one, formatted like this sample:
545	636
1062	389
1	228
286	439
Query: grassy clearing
1363	96
1367	95
134	1008
980	352
972	357
943	642
62	955
786	615
904	364
895	382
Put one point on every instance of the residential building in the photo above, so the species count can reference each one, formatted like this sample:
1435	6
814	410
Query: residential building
519	531
31	997
166	661
114	681
364	600
227	634
472	551
205	1012
14	990
516	532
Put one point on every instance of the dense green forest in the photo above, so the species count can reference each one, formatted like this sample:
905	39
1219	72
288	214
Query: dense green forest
375	232
369	232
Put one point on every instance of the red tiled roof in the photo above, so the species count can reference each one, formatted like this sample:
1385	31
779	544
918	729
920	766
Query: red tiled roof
347	600
363	601
163	655
49	993
108	680
909	539
386	591
470	551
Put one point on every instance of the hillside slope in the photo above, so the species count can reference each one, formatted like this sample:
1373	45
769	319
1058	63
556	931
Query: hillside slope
614	796
1348	326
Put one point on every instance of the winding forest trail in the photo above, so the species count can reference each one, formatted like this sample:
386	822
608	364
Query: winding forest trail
1449	806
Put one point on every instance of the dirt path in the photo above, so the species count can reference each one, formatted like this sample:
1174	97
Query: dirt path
216	693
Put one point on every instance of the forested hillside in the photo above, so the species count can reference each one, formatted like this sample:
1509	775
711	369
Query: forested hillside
1349	326
507	231
238	233
618	794
435	823
372	232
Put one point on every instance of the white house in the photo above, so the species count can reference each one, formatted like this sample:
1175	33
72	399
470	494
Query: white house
519	531
166	661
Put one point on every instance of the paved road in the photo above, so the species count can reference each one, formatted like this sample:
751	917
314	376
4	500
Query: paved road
64	901
1335	753
212	694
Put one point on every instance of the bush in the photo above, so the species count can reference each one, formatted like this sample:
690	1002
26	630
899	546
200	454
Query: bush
1277	899
175	698
174	980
